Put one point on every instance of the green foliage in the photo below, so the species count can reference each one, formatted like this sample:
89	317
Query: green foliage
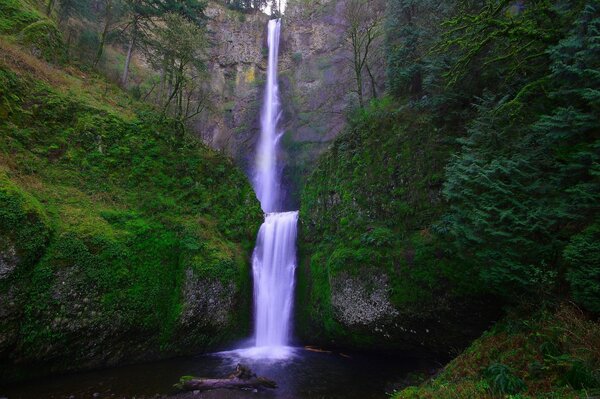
246	5
525	180
552	354
502	380
412	27
367	209
15	15
478	177
582	255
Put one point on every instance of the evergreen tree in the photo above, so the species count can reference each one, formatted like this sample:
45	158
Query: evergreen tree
526	178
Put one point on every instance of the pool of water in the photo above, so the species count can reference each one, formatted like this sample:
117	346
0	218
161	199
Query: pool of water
303	374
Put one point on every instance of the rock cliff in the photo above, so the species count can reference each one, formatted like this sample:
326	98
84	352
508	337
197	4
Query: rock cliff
236	71
315	81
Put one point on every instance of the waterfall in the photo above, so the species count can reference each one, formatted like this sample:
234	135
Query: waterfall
274	258
273	267
266	182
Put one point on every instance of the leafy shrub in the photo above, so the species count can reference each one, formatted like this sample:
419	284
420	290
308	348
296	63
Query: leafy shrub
502	380
579	375
378	237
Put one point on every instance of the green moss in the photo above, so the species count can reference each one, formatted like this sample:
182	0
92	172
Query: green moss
15	15
23	221
110	205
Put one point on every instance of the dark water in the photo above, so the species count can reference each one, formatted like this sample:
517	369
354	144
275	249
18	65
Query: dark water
305	375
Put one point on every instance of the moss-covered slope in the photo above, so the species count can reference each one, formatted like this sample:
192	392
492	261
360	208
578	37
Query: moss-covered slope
121	237
372	273
554	354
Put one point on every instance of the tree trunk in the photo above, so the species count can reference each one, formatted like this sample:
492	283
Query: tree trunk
163	81
128	58
49	7
373	86
359	88
205	384
104	33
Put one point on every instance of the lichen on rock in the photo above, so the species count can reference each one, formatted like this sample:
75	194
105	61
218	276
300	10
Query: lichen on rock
362	301
207	301
8	257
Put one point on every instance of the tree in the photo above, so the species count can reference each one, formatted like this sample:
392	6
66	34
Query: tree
363	28
247	5
108	15
139	22
412	27
526	179
50	7
178	48
141	17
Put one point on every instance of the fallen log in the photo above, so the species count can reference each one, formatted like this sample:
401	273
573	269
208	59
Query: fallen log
242	378
311	348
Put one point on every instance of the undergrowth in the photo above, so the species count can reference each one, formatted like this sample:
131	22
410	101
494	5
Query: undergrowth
555	354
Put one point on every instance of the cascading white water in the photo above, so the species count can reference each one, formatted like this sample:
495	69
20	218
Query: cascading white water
266	182
274	258
273	267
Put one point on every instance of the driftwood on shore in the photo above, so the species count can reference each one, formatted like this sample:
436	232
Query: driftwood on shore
242	378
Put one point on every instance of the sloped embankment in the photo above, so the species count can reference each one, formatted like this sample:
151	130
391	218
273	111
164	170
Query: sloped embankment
122	238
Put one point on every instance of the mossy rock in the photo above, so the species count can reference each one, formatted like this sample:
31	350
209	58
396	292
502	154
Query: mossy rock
145	248
24	234
44	40
24	227
373	274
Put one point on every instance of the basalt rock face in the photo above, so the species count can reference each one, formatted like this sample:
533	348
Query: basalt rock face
317	83
236	76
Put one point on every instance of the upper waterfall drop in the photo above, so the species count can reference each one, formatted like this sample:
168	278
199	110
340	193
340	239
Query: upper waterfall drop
267	179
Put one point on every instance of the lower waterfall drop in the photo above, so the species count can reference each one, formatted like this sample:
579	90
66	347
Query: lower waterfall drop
273	266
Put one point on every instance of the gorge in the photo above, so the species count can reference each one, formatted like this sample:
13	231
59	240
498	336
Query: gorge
354	198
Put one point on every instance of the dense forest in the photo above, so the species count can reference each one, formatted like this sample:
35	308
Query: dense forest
471	187
453	215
